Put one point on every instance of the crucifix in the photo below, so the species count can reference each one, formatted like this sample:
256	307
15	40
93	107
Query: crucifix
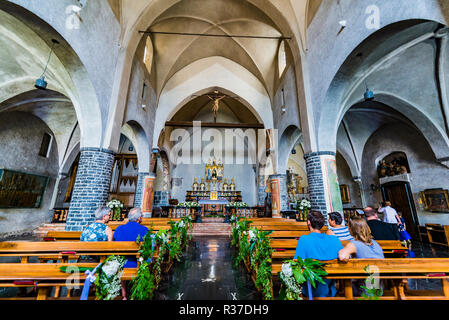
216	99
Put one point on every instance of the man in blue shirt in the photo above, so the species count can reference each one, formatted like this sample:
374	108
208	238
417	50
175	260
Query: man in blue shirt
129	232
319	246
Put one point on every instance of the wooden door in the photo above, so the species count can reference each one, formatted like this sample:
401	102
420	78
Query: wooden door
401	199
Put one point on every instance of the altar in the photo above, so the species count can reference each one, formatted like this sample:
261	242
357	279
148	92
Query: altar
214	192
213	206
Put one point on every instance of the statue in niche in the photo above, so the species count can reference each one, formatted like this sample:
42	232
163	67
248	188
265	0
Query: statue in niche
214	174
398	165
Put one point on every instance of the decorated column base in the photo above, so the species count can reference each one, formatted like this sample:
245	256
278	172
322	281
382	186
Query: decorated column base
279	196
148	195
324	190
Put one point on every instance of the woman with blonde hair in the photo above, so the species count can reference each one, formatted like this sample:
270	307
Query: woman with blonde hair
363	246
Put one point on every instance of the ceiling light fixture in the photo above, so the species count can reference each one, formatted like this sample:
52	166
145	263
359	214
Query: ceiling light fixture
41	83
368	95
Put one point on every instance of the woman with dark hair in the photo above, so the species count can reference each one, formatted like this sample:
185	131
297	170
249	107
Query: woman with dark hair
336	228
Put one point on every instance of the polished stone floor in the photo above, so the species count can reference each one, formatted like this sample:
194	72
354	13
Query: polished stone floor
206	273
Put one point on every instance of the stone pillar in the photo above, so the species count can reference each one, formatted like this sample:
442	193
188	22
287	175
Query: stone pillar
324	190
139	189
279	196
91	189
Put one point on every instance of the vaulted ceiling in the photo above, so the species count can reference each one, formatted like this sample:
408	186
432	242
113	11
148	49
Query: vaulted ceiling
230	17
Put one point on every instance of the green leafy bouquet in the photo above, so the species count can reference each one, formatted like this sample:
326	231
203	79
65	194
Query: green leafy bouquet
295	273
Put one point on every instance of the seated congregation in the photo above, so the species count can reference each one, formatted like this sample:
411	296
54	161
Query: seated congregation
364	259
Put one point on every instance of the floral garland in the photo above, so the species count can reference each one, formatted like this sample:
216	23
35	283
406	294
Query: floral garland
107	282
260	257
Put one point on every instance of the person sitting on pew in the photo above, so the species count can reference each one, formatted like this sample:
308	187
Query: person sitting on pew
380	230
129	232
98	231
336	228
362	247
319	246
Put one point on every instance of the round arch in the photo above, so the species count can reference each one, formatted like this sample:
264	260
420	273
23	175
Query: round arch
212	72
30	39
135	133
291	137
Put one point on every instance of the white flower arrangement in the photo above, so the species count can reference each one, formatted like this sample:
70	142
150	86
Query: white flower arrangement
114	203
289	281
189	204
252	235
109	278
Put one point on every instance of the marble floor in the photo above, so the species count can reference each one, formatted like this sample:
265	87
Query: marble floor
206	273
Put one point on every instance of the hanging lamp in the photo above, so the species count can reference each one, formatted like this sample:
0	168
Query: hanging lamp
368	95
41	83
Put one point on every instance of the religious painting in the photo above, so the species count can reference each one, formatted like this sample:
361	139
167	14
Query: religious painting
330	179
344	192
21	190
435	200
147	203
275	198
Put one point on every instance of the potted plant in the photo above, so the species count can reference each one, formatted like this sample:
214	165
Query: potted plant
116	207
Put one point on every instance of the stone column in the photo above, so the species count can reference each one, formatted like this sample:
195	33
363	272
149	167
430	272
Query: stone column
324	190
139	189
91	189
279	196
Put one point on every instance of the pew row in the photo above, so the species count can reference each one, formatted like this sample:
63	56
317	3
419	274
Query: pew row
45	276
396	271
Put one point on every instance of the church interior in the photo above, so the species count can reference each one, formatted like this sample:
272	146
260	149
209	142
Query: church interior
208	114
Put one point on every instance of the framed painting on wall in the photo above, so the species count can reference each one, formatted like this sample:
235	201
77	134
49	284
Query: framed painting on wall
435	200
21	190
344	191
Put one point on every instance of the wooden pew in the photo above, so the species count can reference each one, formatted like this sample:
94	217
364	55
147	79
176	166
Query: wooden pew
45	276
75	235
66	250
397	271
285	248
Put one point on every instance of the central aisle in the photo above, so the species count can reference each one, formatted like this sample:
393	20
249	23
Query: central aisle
206	273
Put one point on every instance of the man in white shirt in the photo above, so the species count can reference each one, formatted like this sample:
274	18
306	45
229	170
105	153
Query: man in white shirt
390	214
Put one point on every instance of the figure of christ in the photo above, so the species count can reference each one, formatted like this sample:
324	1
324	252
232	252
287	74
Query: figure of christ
216	106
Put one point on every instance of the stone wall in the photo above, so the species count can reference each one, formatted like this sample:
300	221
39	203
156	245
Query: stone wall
21	136
426	172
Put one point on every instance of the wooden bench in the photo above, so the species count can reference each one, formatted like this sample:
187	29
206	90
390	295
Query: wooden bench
66	250
396	271
45	276
285	248
75	235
